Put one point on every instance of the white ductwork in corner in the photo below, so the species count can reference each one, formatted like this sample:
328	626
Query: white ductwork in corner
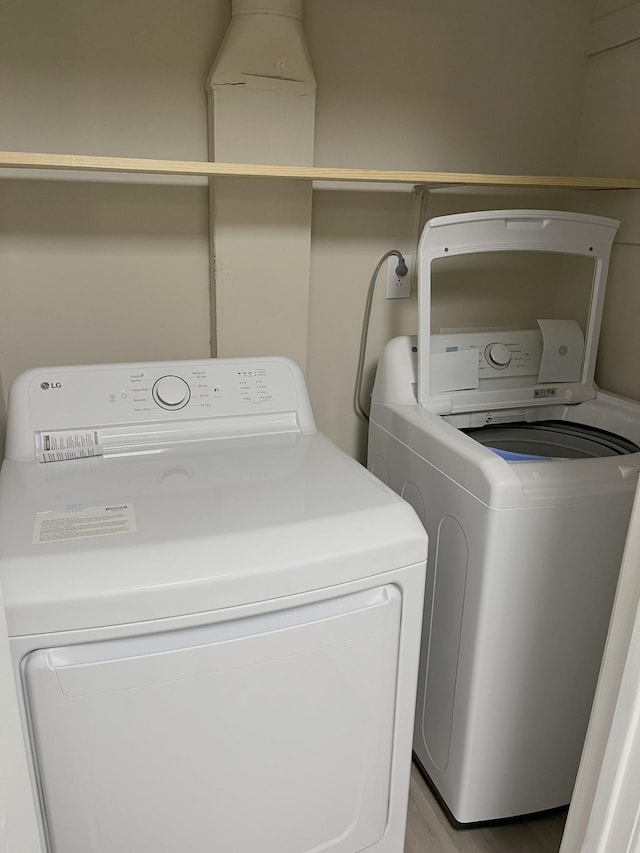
261	95
262	81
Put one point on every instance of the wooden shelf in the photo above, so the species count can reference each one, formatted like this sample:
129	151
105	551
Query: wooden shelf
128	165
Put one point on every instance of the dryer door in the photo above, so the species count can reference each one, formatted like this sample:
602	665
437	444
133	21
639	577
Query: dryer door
267	734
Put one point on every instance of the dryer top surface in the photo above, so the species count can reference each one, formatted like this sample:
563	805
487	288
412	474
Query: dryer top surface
248	520
208	487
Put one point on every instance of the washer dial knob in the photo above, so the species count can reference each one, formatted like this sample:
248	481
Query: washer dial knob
498	355
171	392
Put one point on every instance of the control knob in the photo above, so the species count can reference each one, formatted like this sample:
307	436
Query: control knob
171	392
498	355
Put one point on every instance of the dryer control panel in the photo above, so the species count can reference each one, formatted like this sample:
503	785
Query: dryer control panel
63	413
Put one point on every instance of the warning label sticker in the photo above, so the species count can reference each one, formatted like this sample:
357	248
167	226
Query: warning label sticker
68	444
79	522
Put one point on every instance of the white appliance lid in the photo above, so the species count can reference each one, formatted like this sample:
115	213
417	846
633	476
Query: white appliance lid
199	527
510	230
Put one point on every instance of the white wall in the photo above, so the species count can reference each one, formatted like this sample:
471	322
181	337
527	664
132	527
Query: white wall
460	85
350	232
609	144
100	272
119	78
95	271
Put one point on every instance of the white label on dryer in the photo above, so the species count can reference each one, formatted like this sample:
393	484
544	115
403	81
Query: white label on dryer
68	444
77	522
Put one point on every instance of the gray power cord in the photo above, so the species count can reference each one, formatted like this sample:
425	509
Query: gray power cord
401	270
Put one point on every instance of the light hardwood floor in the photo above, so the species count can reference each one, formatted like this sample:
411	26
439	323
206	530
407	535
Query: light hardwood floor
429	831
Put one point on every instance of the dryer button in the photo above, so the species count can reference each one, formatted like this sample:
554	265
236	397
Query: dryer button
171	392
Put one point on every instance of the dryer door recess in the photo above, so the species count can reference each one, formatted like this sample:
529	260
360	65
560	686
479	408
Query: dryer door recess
226	737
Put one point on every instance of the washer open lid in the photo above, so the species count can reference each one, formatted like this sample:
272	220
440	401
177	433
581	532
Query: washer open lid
508	231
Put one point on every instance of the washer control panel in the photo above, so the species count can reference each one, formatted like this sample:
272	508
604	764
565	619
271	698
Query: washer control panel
498	356
500	353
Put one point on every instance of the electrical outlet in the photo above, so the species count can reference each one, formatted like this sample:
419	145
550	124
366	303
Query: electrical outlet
399	287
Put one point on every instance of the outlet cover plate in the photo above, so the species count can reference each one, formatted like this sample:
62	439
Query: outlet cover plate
399	287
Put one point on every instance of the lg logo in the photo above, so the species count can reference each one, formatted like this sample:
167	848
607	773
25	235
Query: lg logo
47	385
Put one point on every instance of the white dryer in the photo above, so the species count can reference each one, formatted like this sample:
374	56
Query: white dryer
524	474
214	614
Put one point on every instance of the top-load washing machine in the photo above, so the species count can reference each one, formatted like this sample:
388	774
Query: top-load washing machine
214	614
523	473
